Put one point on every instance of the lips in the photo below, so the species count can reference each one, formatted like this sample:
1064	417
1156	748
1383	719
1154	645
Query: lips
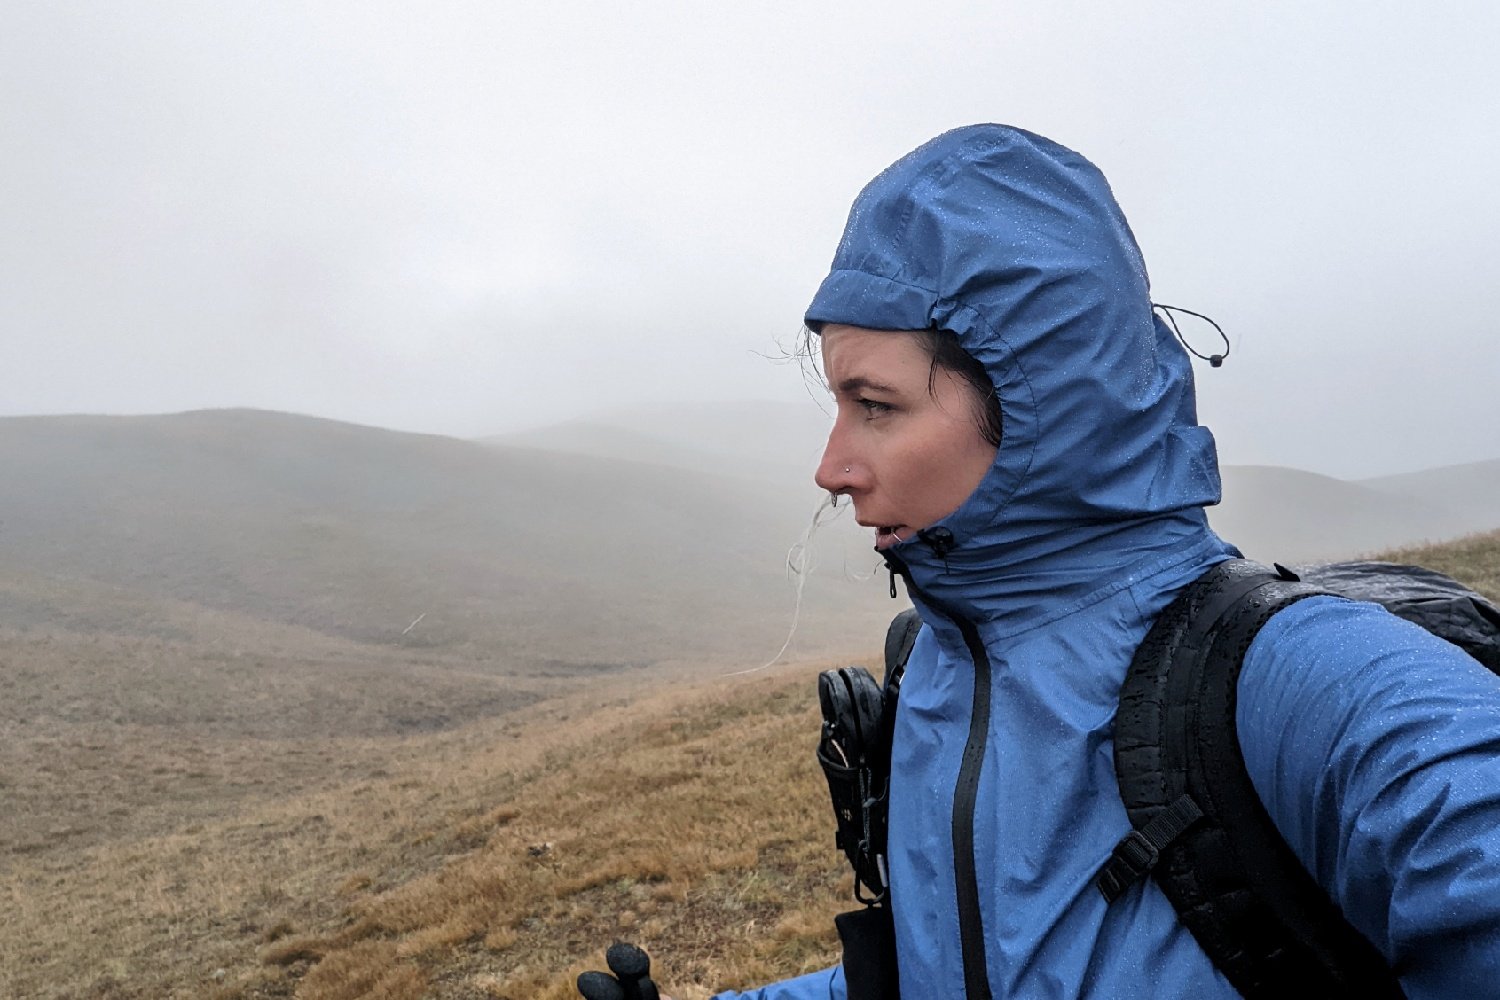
885	535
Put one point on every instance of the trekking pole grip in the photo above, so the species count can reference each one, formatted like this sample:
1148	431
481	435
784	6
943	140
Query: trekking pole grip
629	976
632	967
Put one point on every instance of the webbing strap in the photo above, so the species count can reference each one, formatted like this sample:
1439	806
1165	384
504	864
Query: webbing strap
1141	849
900	637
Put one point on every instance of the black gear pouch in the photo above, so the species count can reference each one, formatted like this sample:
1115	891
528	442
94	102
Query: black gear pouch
855	757
869	939
854	752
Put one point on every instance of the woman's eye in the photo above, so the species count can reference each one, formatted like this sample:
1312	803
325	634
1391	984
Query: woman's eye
874	406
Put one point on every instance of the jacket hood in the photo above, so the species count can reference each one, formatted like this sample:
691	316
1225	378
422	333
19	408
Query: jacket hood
1015	245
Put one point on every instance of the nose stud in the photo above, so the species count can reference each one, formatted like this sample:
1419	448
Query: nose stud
846	470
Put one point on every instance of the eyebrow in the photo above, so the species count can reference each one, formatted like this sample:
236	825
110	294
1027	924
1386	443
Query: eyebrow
857	383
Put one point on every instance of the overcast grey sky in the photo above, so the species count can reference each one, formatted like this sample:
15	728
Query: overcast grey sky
466	217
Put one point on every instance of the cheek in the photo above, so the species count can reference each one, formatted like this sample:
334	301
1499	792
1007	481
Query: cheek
980	457
934	480
958	466
962	472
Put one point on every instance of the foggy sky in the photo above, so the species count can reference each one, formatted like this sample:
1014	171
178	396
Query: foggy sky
471	217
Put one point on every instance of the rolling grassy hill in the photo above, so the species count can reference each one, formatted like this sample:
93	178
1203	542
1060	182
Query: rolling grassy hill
495	860
515	557
1272	513
202	612
656	536
296	700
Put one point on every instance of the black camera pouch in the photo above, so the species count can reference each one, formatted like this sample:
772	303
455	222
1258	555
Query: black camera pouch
855	760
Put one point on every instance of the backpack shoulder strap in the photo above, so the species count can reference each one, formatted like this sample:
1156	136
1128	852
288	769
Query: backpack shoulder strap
1198	824
899	639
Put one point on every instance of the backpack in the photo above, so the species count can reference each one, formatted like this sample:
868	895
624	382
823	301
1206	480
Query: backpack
1198	826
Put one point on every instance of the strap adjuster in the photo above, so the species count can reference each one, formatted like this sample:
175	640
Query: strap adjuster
1140	850
1136	853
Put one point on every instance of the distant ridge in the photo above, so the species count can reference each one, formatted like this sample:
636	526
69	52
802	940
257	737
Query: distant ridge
1287	514
1269	511
506	554
1470	493
658	536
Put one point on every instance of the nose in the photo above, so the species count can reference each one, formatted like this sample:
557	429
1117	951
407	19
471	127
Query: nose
836	472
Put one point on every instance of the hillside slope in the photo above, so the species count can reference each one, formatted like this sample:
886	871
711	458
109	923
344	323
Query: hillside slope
1277	514
692	820
1271	512
510	553
568	557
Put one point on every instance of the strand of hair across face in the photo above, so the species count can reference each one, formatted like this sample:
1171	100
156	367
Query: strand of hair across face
799	563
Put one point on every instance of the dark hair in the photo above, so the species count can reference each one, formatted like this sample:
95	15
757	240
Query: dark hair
942	347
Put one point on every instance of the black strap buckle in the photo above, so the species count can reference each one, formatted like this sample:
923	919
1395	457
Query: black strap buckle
1132	857
1140	850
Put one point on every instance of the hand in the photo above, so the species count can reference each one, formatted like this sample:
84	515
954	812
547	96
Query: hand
631	980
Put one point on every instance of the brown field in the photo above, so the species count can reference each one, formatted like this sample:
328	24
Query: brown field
392	844
491	861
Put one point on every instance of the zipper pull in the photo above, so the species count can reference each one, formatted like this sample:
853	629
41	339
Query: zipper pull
891	562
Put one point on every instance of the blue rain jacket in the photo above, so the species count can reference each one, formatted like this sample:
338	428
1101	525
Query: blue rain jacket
1375	747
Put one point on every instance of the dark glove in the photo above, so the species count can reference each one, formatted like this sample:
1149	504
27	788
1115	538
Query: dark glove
631	980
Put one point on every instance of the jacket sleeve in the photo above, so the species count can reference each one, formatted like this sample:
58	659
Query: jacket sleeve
825	985
1375	747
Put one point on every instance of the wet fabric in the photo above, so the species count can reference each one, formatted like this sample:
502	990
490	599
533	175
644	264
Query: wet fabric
1088	523
1422	596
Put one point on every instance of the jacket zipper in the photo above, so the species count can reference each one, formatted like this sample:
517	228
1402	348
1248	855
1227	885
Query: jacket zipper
965	795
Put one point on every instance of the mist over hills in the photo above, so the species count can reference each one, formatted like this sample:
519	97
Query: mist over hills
1287	514
747	438
1270	512
643	536
1468	493
521	557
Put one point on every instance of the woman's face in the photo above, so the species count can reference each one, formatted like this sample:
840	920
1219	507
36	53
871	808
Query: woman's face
906	452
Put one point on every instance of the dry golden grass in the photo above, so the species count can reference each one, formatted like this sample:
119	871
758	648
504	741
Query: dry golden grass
690	818
181	914
692	823
1475	560
493	861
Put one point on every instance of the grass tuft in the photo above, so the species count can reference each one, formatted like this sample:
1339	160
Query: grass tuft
293	950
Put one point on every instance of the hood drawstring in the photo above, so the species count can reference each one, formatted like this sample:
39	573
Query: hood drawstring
1214	360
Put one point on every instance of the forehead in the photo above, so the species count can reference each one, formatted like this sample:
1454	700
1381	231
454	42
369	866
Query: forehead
890	356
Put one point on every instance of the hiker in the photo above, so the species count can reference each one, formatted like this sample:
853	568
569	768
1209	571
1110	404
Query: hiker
1019	430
